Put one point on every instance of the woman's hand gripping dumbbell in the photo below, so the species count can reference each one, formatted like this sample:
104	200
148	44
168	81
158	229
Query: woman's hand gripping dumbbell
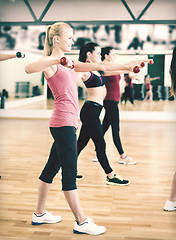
67	62
136	69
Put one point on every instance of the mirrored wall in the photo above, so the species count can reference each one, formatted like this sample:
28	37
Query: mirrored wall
128	39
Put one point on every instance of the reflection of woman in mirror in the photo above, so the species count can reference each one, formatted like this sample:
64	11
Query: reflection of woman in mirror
6	41
101	35
41	39
128	93
83	34
135	44
170	204
147	82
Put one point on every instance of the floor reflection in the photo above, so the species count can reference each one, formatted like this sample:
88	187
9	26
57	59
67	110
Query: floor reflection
158	106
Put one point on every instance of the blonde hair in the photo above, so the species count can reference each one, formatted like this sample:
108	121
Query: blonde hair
53	30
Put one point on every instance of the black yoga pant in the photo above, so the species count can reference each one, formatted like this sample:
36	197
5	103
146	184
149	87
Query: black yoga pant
111	118
128	94
91	128
63	155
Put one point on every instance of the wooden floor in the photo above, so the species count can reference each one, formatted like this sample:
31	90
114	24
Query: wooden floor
134	212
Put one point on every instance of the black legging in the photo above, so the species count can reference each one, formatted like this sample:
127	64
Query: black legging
128	94
91	128
111	118
63	155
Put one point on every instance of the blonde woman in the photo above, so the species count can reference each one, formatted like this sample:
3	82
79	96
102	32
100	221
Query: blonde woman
63	124
147	81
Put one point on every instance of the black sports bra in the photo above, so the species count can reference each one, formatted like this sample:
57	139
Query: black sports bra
94	81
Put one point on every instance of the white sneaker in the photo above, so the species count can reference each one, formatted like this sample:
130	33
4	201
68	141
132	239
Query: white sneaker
169	206
45	218
88	227
95	159
127	160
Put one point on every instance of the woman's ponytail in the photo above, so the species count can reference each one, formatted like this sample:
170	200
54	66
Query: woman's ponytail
48	44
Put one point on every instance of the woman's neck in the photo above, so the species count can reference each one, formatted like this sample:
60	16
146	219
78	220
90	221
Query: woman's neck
57	53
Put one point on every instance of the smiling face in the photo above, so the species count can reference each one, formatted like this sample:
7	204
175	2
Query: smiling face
59	39
95	56
65	41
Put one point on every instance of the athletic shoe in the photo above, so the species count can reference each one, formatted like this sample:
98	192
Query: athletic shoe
127	160
79	177
88	227
45	218
169	206
95	159
117	180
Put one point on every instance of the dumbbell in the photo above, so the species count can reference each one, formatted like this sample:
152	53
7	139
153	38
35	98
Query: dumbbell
150	62
19	55
64	61
142	64
136	69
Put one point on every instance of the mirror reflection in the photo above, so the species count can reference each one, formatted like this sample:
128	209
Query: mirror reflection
131	41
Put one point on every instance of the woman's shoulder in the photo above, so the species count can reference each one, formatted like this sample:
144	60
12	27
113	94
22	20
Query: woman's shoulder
85	76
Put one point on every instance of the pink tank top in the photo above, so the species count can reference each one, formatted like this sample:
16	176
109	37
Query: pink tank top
64	89
113	87
148	86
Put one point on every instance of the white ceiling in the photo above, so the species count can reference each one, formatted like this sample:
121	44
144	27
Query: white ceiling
86	10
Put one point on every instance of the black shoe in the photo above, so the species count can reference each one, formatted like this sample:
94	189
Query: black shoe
79	177
117	180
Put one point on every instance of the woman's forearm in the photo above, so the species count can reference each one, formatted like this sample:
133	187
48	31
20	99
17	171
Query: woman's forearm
102	66
116	67
107	66
127	67
7	56
155	78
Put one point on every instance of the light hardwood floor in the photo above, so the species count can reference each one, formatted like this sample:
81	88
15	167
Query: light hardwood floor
133	212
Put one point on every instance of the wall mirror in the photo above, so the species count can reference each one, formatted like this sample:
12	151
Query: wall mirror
131	41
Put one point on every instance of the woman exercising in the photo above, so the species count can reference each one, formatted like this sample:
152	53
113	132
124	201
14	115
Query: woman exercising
61	78
90	112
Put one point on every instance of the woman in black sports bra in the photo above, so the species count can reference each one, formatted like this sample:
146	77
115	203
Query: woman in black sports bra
90	112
